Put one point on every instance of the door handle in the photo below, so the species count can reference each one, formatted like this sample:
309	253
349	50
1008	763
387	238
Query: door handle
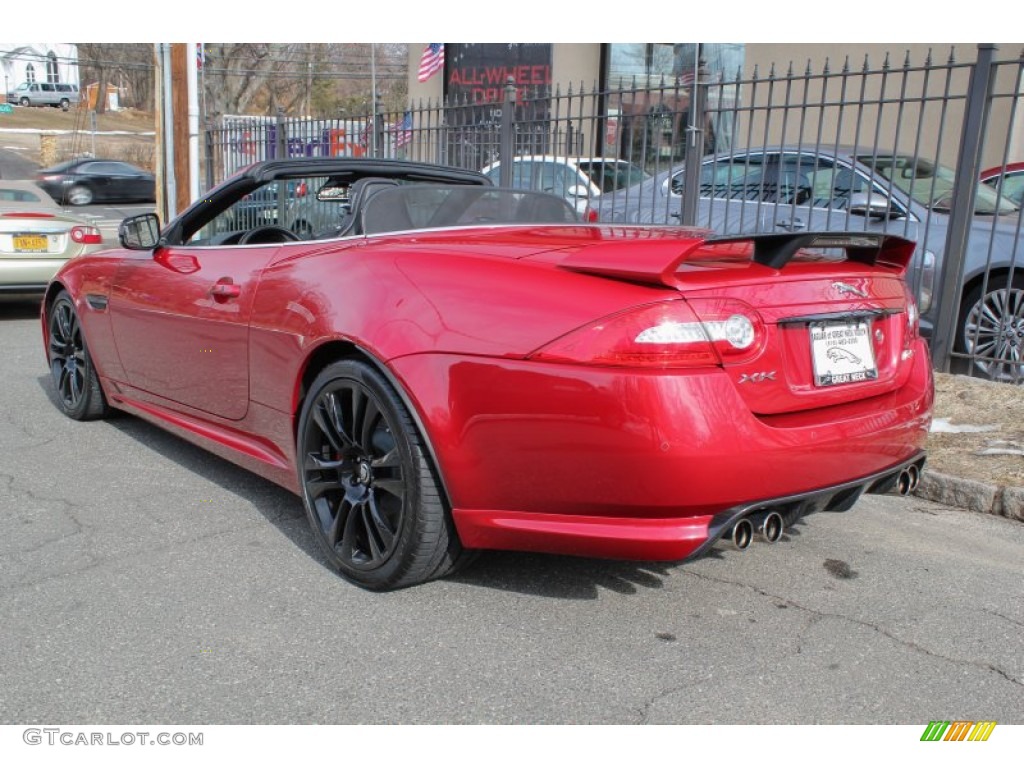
224	289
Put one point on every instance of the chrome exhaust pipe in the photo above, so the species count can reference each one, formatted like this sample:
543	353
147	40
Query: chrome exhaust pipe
903	483
771	527
915	476
741	534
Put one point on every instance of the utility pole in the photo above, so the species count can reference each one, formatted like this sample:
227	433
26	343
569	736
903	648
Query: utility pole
179	101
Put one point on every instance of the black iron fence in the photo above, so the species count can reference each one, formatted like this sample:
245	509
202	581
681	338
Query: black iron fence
893	146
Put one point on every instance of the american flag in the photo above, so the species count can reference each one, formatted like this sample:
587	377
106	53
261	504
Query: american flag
403	131
432	61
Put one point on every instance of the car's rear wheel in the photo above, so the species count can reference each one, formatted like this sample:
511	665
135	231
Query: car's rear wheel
992	326
367	482
79	394
65	104
79	194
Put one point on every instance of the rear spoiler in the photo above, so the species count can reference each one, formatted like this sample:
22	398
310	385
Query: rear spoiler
657	262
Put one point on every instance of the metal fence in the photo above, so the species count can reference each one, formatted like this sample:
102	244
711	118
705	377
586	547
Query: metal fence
896	147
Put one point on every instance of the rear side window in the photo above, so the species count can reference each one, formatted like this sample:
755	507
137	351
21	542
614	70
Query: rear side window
18	196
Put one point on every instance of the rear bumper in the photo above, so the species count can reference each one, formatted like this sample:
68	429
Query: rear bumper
28	275
671	539
643	465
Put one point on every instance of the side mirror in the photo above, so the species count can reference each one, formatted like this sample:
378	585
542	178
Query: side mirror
578	191
873	205
140	233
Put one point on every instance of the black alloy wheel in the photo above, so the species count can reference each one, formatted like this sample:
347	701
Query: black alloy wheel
367	484
79	394
992	329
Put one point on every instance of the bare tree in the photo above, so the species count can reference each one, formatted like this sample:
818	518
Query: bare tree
129	66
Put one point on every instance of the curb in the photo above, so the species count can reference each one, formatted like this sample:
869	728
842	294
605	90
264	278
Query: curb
1003	501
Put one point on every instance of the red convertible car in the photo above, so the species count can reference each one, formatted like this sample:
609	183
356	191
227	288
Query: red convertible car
446	366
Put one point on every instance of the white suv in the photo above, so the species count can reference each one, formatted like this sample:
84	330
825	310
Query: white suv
578	179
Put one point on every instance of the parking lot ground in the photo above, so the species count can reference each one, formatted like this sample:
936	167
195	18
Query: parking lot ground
143	580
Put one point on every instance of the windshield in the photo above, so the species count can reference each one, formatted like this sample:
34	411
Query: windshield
612	175
931	184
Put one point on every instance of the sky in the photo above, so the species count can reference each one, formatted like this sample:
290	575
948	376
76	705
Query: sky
876	21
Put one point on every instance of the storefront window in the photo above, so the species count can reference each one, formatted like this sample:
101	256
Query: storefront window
650	89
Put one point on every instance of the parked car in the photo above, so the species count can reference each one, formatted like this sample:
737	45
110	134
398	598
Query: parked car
37	237
62	95
87	180
579	180
465	367
1012	175
792	189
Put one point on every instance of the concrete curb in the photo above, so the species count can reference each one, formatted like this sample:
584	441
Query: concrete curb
1005	501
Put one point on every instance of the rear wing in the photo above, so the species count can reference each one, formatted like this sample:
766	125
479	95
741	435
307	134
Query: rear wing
658	261
775	251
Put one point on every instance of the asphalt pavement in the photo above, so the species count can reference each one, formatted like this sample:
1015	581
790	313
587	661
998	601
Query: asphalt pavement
143	580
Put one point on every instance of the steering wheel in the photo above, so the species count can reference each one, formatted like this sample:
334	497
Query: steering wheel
268	234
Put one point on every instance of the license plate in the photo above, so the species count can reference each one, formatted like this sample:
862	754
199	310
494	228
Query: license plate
842	353
30	243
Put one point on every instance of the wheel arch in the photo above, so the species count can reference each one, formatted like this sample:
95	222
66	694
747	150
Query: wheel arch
995	275
336	349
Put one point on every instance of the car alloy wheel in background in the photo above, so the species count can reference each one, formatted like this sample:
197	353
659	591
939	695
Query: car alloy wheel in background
367	484
993	327
79	194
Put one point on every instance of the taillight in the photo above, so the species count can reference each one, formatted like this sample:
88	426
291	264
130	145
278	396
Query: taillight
590	215
669	334
86	235
927	290
26	215
913	330
301	189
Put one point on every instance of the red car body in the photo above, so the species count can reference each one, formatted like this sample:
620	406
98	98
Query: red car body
549	430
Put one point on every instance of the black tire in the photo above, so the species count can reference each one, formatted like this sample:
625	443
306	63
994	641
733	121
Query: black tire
79	194
24	101
368	486
992	326
75	382
65	105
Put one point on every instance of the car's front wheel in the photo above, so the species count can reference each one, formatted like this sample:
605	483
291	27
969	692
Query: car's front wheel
368	486
79	394
24	101
992	329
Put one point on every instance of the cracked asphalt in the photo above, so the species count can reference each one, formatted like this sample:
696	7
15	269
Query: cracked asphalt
143	580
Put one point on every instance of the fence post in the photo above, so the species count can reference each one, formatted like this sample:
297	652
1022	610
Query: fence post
378	129
507	141
210	159
694	149
280	142
979	92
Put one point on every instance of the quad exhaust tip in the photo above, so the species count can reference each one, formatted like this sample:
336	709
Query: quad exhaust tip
771	527
742	533
907	481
